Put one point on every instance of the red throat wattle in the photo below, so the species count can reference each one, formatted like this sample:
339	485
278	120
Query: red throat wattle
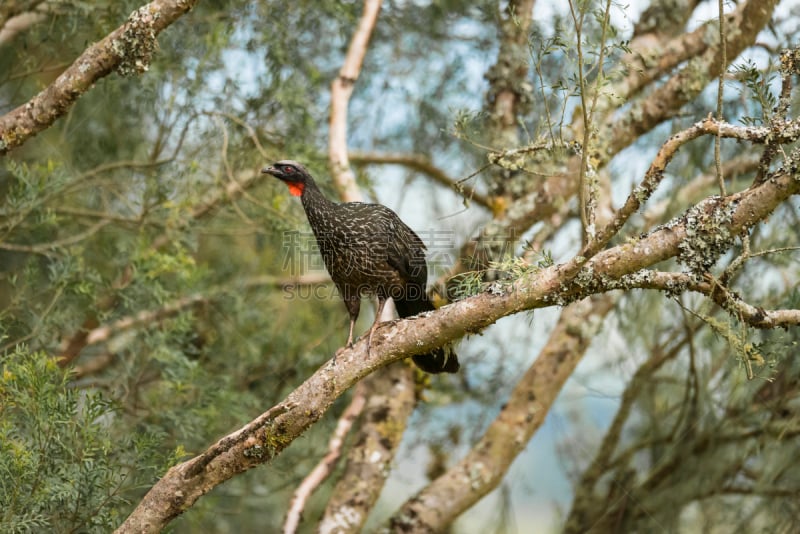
295	188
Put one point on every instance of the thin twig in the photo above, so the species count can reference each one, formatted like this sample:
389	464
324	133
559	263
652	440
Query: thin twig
720	92
591	187
47	249
582	200
423	164
251	132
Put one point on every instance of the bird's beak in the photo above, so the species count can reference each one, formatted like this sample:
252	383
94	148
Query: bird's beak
271	170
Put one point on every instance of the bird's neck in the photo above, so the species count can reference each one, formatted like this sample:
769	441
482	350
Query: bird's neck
313	200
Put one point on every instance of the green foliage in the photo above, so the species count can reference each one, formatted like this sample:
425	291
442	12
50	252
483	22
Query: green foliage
757	88
66	463
500	275
468	284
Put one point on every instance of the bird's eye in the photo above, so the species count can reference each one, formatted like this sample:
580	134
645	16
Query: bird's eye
288	169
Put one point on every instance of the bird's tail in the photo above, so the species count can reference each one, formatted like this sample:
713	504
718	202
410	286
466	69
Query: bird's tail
439	360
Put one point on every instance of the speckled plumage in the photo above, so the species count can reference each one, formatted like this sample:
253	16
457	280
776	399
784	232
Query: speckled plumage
368	251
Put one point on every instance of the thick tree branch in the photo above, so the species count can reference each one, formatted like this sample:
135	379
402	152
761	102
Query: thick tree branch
12	8
664	17
178	490
128	49
391	395
13	26
325	466
199	463
509	93
341	90
727	299
659	45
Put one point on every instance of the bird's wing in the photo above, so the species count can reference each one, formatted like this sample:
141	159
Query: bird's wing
406	253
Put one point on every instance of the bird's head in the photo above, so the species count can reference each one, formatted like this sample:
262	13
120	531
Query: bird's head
291	173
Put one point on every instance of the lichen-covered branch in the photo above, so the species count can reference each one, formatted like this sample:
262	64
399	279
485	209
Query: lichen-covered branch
695	189
509	93
786	133
727	299
128	50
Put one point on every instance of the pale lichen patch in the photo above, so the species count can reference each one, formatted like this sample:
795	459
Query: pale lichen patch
707	235
137	43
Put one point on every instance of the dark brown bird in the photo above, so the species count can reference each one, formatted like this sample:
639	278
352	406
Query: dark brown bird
368	251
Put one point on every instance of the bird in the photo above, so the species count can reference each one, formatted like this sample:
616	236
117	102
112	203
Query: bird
368	251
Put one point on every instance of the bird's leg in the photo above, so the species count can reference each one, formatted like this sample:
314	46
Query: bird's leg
378	313
349	343
350	336
353	304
